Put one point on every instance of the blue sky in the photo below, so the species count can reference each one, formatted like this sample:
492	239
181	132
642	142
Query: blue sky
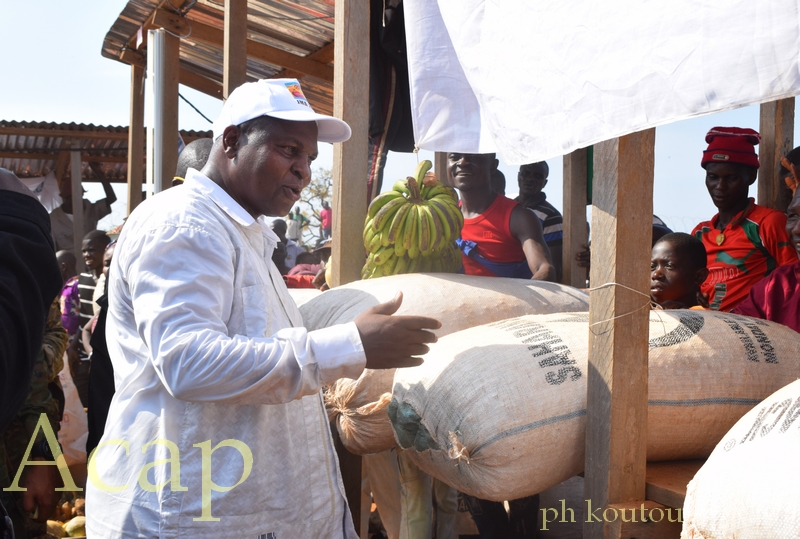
54	72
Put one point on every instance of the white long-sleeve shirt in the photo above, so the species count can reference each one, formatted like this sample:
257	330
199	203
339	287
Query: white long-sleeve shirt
207	345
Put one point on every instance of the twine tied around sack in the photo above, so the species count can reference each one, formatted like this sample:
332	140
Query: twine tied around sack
337	399
648	305
457	450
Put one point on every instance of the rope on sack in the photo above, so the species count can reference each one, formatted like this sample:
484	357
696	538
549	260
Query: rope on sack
336	399
648	305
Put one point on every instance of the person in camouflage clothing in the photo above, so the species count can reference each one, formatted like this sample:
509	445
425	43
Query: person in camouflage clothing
45	397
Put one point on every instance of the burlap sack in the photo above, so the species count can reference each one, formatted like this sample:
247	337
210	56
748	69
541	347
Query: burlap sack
301	296
748	486
458	301
499	411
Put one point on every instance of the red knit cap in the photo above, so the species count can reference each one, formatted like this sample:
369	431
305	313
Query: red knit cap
731	145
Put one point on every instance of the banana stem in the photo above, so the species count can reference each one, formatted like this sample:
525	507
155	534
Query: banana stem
413	188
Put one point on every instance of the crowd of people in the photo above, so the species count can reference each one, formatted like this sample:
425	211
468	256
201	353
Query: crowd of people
182	340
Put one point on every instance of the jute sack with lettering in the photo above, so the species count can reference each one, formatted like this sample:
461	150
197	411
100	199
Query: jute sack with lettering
748	486
499	411
458	301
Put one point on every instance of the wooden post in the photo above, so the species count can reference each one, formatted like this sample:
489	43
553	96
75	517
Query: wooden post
777	139
136	139
169	127
575	232
63	162
163	70
350	159
234	60
350	173
440	167
77	204
622	213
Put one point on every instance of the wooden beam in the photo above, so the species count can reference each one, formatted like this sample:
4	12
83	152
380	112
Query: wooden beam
85	156
163	60
69	133
777	139
214	36
78	229
136	139
575	232
133	58
200	83
350	172
323	55
234	54
62	162
642	520
440	167
666	481
169	159
186	77
616	432
350	159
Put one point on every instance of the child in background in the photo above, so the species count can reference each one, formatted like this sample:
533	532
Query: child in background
677	269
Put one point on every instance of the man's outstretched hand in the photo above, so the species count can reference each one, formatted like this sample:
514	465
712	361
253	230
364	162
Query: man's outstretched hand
394	341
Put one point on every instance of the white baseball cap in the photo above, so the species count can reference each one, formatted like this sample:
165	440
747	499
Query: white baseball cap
278	98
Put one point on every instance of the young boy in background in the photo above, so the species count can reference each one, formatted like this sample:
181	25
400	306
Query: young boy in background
677	269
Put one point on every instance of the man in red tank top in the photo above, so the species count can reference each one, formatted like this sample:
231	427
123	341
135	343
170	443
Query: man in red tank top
500	238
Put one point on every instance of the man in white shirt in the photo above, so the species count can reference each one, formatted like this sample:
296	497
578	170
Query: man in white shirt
217	428
292	249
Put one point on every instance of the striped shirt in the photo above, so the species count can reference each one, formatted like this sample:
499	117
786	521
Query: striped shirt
86	286
552	221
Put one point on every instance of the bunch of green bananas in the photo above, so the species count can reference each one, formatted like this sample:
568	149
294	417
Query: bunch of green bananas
413	228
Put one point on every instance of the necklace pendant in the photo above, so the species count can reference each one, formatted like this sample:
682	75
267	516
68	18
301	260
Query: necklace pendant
720	238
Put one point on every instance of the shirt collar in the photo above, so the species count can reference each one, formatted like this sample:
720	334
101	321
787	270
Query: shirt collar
199	182
739	217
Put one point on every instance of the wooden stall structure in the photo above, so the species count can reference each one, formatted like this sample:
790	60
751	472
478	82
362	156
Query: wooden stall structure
89	153
216	46
302	40
617	474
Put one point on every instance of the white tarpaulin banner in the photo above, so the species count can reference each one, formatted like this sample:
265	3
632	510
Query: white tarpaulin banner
533	80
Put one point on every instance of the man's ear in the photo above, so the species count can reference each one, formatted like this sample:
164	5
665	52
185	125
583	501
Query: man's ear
544	183
753	177
231	139
700	276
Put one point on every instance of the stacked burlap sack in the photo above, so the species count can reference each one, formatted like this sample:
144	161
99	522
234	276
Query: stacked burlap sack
459	301
499	411
748	486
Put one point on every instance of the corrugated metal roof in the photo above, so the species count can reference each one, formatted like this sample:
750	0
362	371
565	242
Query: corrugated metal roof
32	149
299	27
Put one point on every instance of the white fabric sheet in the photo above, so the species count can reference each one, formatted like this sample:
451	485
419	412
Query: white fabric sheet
46	190
535	80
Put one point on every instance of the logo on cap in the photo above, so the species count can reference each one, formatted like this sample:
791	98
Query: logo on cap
297	93
720	157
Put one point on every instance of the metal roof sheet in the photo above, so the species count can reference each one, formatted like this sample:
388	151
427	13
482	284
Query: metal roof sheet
298	27
32	149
